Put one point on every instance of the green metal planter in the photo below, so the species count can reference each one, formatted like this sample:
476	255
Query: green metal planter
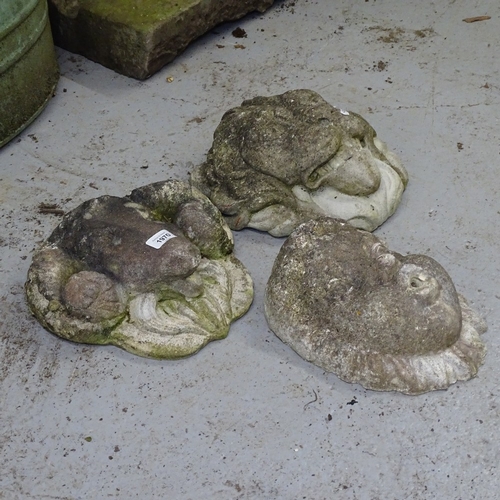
28	67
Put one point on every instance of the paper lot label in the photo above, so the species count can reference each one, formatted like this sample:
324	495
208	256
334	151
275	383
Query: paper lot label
160	238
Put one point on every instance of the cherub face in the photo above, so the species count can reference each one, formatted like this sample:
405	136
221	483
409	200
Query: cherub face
346	281
416	300
303	140
346	303
110	235
281	160
410	278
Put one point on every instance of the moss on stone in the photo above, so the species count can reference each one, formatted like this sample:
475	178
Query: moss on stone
141	15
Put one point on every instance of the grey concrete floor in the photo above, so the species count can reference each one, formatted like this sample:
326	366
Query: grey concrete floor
236	420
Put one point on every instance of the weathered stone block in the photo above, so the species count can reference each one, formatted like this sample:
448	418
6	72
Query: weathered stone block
138	37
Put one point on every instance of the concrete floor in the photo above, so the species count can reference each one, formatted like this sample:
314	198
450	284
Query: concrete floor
236	421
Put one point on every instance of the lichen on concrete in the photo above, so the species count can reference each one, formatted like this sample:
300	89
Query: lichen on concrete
342	300
152	272
278	161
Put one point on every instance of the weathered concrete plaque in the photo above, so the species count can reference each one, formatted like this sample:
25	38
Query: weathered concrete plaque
282	160
152	272
390	322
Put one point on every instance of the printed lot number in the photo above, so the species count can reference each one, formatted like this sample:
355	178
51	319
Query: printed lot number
160	238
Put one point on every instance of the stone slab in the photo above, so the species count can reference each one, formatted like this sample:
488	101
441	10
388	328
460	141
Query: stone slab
138	37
